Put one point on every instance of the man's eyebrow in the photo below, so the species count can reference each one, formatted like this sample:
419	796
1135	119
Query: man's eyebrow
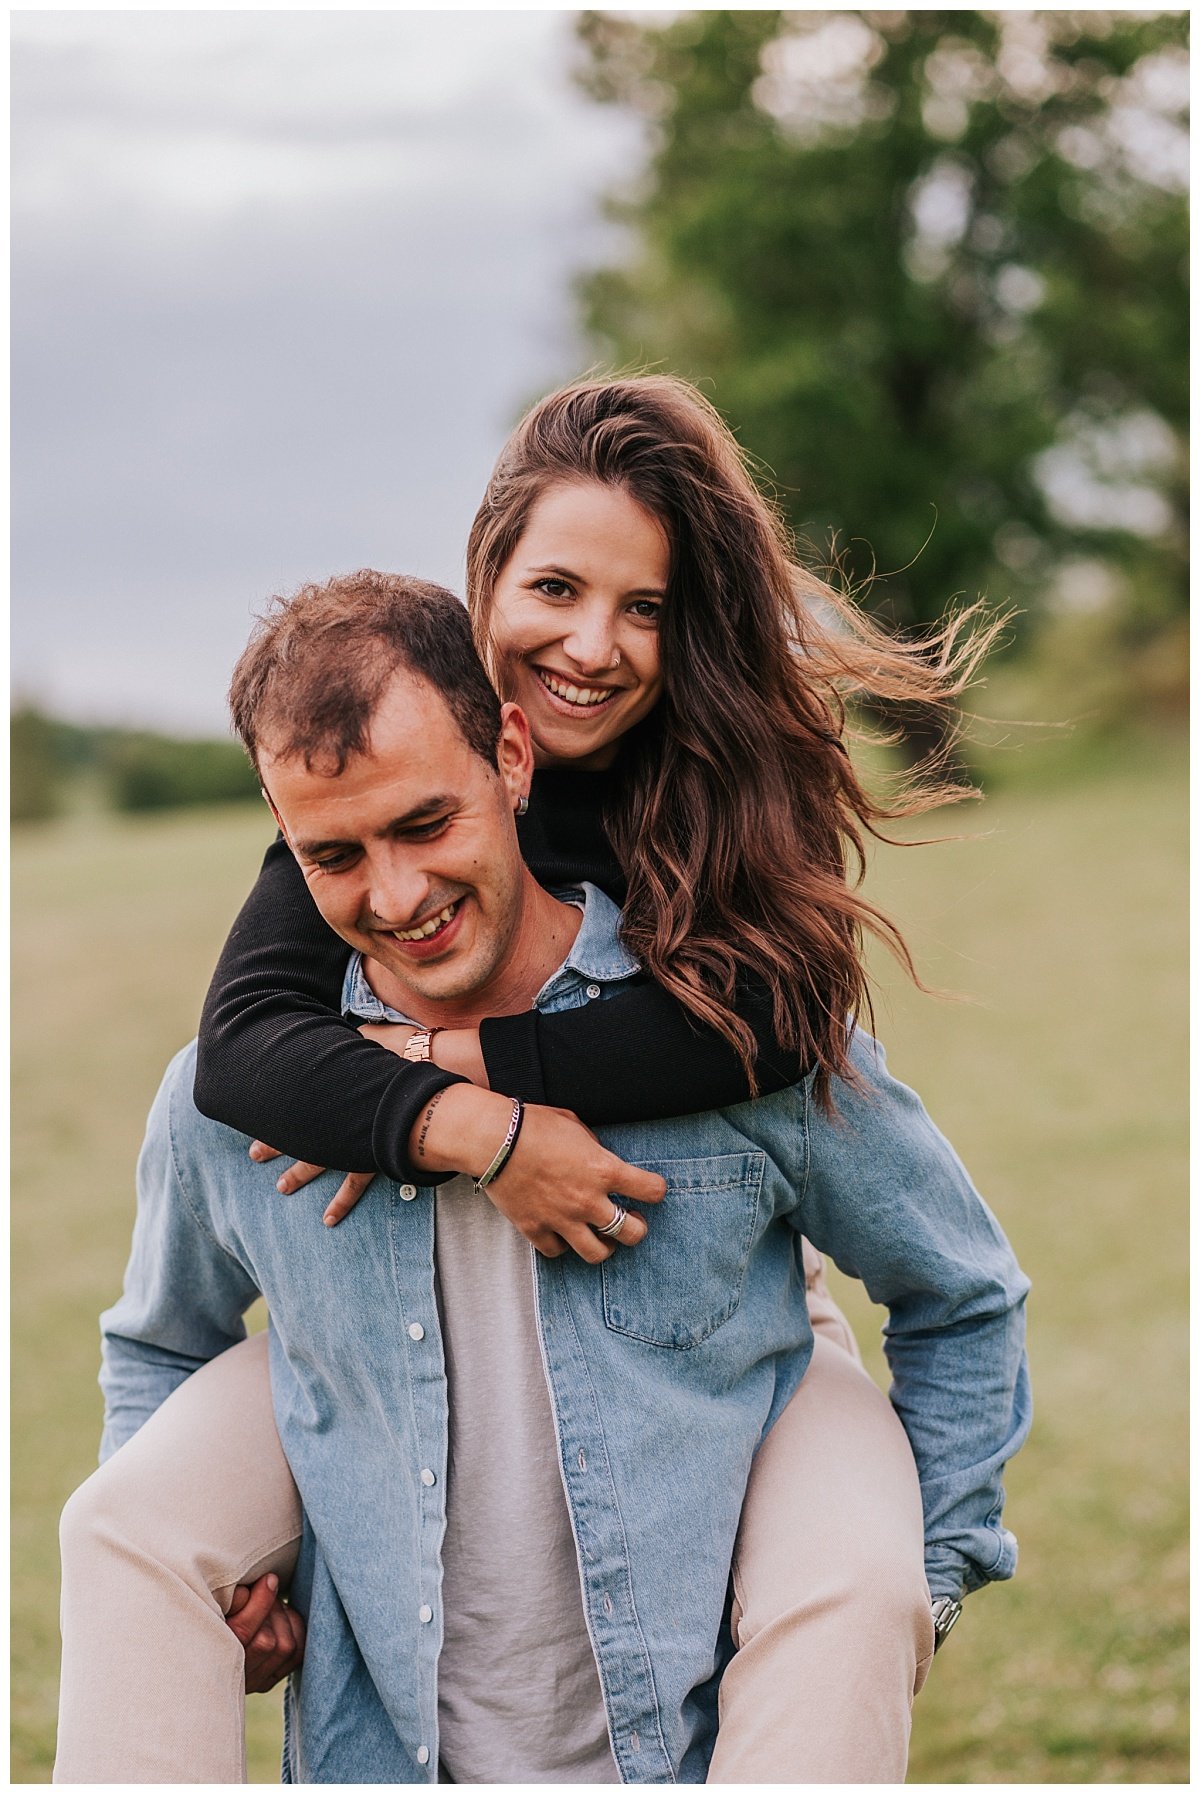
566	573
430	806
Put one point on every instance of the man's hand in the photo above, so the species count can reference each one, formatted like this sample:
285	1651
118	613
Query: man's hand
301	1173
271	1633
559	1183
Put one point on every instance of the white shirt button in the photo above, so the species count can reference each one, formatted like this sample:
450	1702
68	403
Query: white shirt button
428	1478
593	990
423	1754
416	1331
425	1614
407	1192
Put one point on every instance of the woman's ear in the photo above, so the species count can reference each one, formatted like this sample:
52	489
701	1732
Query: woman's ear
514	752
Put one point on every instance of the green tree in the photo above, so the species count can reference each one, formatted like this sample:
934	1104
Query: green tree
930	265
35	766
52	761
156	772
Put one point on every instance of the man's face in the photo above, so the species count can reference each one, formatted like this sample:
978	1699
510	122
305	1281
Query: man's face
410	852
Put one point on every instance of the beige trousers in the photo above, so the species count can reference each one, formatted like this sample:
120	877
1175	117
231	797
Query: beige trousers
831	1611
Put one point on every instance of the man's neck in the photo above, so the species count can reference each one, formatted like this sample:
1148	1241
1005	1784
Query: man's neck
544	935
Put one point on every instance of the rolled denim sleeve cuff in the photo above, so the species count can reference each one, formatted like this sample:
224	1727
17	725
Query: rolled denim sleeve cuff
949	1573
944	1582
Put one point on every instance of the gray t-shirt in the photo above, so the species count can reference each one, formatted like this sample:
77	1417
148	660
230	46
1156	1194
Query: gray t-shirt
518	1690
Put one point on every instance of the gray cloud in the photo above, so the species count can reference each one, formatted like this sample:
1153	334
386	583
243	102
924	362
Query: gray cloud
279	282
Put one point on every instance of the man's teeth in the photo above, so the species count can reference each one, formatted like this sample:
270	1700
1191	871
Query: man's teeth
427	928
574	694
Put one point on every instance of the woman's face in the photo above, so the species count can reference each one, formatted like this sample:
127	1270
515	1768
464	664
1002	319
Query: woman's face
574	621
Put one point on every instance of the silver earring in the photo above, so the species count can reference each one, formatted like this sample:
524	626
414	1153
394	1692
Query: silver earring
522	806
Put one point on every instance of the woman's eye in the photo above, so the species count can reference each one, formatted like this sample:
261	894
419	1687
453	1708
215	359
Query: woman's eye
647	610
552	588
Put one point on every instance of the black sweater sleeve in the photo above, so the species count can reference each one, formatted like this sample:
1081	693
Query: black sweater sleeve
275	1058
636	1057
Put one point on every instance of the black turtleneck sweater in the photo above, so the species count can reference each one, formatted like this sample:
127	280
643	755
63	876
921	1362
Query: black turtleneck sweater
276	1060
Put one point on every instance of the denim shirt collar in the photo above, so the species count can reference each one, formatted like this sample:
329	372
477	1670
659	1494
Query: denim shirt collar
597	957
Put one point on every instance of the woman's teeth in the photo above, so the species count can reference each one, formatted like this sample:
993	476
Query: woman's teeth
583	695
427	928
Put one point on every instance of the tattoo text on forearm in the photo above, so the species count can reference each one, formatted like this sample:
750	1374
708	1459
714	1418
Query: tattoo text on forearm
425	1120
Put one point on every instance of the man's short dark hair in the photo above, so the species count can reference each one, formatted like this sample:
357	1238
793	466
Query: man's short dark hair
319	662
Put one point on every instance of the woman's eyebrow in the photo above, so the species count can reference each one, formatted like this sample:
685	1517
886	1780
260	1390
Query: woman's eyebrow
559	572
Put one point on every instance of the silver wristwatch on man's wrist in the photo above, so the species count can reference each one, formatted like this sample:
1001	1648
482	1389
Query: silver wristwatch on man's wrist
945	1616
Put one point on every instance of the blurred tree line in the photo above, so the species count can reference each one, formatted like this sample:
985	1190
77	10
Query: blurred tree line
931	266
53	762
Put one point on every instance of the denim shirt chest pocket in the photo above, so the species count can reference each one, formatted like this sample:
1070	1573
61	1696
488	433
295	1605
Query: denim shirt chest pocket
685	1279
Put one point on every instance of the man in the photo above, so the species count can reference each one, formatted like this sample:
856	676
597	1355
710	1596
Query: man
518	1466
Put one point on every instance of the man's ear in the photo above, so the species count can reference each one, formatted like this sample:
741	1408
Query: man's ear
514	752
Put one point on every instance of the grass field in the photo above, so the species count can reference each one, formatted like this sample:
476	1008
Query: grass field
1062	1081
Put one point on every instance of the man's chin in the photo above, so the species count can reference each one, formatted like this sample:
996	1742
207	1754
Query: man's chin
406	984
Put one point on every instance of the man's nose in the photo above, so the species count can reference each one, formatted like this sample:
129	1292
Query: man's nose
591	642
398	889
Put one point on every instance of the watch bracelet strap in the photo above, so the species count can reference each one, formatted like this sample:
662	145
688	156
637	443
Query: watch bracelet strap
947	1610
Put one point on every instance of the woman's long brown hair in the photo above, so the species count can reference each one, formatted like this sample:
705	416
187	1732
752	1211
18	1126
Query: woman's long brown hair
740	818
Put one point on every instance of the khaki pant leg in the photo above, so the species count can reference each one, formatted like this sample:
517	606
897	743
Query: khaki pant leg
200	1499
831	1609
825	1317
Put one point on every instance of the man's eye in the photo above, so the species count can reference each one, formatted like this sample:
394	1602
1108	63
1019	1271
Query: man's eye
337	862
425	831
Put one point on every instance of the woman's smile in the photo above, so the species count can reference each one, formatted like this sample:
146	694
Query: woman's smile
574	620
574	697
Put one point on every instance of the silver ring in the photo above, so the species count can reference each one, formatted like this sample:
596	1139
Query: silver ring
612	1229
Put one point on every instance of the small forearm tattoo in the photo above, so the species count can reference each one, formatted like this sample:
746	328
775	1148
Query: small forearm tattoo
426	1119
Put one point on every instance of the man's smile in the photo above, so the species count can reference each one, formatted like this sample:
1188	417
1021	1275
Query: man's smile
430	937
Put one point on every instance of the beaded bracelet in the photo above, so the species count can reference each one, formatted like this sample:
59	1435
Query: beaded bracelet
506	1148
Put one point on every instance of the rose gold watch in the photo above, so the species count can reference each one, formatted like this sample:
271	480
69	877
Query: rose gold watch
418	1046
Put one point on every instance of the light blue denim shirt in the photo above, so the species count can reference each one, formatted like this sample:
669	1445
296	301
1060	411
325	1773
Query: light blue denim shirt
666	1366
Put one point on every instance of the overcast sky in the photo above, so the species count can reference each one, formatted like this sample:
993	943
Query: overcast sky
281	281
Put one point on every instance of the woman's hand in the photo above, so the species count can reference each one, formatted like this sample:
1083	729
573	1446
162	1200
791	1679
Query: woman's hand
301	1173
559	1184
270	1633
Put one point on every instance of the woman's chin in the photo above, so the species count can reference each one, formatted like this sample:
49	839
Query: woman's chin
551	751
564	741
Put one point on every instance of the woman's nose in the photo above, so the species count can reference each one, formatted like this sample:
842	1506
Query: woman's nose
590	643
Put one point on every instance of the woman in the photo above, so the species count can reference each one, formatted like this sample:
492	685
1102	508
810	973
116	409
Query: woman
632	590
